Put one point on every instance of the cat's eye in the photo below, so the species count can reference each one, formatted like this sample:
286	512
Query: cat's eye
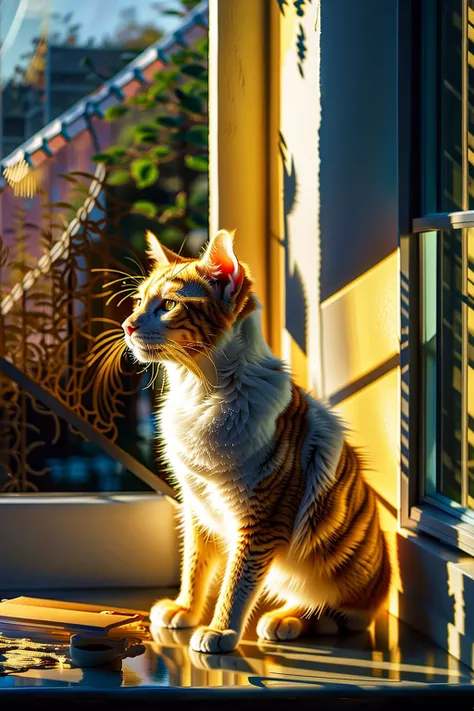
169	305
138	302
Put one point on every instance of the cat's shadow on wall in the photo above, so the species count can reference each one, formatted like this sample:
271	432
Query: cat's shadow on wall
296	306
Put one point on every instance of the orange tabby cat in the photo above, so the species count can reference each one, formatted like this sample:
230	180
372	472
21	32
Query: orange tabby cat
273	497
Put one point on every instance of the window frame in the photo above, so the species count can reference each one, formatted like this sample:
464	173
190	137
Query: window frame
420	174
136	538
430	514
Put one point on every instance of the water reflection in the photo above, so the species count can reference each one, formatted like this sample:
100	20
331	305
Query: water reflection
373	658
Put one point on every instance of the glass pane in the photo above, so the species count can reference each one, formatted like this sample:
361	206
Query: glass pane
72	223
470	367
429	345
448	356
450	364
470	80
451	66
448	98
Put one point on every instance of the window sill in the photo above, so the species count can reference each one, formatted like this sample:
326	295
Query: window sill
88	541
388	661
436	595
444	527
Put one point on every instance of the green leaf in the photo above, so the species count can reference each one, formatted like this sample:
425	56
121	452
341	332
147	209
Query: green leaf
181	201
169	121
160	151
170	235
198	163
110	155
115	112
157	89
140	100
144	172
118	177
199	198
178	58
198	136
145	127
146	135
168	76
177	137
203	46
116	151
189	102
102	158
145	207
194	70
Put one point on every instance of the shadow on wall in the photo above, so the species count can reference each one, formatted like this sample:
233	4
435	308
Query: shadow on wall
296	305
358	150
436	607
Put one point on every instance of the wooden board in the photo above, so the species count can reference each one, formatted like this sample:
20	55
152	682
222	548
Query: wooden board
63	605
33	612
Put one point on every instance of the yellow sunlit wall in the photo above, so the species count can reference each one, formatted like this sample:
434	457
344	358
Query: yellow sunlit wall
306	162
352	337
265	120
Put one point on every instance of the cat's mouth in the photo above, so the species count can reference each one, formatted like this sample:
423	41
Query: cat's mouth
145	350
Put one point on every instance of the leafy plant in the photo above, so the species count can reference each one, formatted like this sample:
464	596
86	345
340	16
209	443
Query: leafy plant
164	144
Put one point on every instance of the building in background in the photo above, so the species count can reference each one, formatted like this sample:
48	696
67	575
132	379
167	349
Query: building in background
56	78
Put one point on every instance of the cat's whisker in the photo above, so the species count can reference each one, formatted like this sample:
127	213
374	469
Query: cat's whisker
125	275
163	381
182	268
112	343
120	279
127	296
108	375
104	340
129	290
178	256
191	365
137	263
201	349
155	372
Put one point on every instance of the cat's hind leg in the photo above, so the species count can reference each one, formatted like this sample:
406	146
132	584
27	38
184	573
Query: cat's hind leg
340	622
282	624
355	621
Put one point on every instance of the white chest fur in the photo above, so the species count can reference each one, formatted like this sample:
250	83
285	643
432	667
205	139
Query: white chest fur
217	442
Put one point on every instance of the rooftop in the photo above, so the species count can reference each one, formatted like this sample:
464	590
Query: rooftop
140	71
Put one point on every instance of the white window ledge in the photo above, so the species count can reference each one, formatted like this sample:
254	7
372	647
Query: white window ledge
437	593
62	542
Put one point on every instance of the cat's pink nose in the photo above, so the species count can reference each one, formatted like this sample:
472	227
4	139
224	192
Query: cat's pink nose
130	329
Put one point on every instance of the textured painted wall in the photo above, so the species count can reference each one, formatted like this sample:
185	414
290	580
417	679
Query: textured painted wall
358	175
359	297
295	141
334	217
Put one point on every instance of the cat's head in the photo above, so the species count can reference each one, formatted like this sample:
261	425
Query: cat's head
186	305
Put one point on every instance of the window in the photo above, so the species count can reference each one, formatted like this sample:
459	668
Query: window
74	420
443	503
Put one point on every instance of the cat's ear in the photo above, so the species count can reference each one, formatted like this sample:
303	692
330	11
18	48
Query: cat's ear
160	255
220	265
155	250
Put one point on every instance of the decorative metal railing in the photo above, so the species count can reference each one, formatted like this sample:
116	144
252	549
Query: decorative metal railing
68	392
75	410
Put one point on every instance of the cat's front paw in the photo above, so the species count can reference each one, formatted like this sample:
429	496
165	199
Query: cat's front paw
169	613
212	641
274	627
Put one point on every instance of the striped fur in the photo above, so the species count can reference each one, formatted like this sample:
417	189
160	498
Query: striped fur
274	499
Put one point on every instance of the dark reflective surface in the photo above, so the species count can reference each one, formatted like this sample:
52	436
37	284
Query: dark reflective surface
388	654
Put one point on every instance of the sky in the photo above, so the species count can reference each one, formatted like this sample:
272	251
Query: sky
21	20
